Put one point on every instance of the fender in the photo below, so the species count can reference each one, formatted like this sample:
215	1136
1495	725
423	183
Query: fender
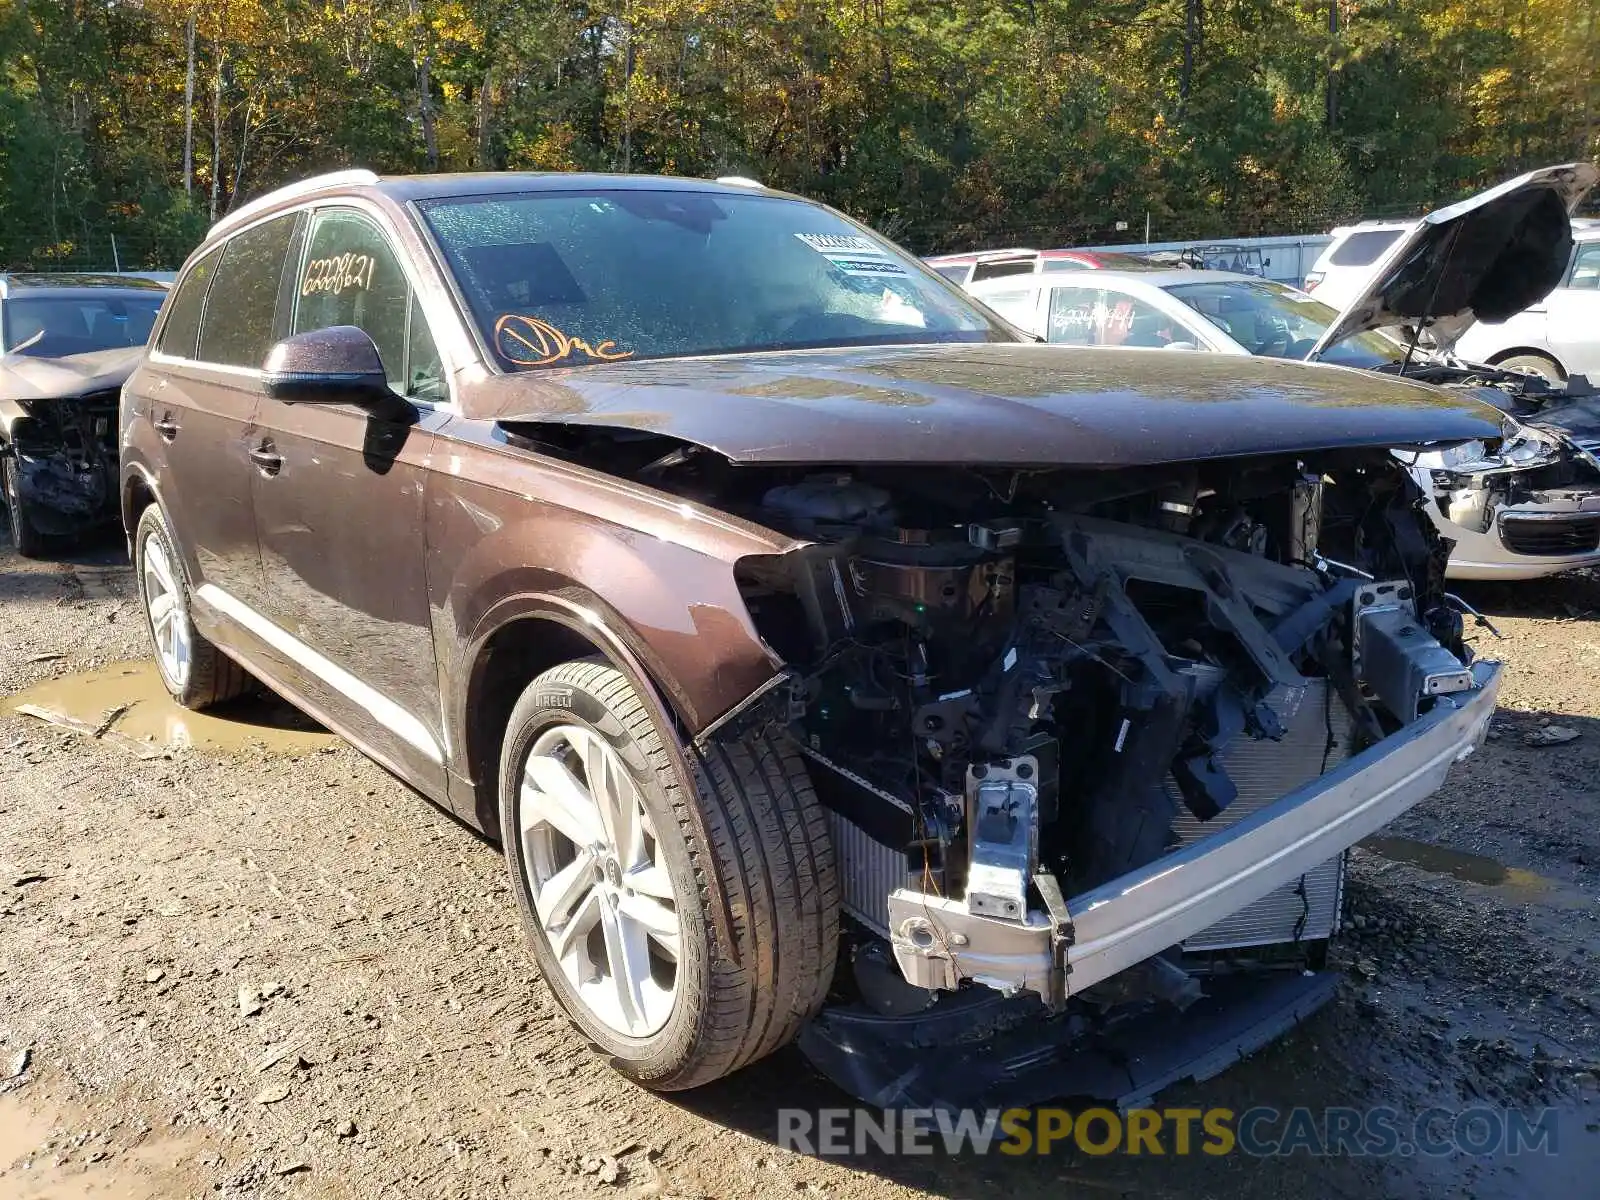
585	614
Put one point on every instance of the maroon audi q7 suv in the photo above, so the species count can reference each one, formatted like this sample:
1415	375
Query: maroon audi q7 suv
831	661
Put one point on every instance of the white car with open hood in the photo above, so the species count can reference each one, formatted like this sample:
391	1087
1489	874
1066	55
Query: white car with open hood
1528	509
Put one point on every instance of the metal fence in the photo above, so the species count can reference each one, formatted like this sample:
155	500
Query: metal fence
1286	259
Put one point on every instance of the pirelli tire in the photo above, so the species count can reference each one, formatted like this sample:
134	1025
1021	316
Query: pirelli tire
733	936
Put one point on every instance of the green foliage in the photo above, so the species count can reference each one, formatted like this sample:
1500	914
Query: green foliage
947	124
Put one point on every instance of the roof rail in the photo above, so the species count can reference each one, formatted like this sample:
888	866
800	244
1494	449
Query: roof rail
352	177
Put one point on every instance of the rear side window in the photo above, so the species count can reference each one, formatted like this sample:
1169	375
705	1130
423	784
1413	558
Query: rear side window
238	326
956	274
1364	247
1000	270
182	328
1015	306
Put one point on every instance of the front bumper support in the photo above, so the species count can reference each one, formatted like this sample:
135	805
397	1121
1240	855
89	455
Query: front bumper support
938	943
933	1060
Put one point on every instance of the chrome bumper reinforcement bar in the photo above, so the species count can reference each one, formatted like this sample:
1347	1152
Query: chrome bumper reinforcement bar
938	943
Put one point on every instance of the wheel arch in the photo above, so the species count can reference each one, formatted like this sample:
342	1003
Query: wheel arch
521	638
1500	356
532	633
139	492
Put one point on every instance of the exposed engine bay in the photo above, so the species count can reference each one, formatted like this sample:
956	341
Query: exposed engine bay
66	456
1052	675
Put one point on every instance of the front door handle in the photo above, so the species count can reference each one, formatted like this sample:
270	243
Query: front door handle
166	427
266	458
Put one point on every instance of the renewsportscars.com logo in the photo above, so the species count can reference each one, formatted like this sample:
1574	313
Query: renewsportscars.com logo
1259	1132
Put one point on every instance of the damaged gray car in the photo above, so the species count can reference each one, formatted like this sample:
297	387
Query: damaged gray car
67	345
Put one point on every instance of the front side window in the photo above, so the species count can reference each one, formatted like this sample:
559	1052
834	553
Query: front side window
1586	266
239	319
1083	316
558	279
351	275
51	326
182	328
1276	321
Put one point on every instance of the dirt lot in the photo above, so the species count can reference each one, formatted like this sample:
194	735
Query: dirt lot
262	967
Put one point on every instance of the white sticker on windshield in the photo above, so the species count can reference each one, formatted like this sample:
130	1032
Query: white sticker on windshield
852	254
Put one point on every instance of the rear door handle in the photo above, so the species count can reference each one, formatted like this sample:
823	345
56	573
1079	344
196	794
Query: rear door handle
266	458
166	427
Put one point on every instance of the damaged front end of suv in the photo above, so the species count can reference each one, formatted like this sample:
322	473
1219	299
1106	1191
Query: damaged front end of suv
1092	738
1092	748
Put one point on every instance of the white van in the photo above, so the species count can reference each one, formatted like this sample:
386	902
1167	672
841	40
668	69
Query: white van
1342	269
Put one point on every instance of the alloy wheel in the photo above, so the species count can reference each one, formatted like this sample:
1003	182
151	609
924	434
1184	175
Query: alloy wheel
600	889
169	625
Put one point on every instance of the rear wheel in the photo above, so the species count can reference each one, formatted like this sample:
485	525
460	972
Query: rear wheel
1535	364
617	889
196	674
25	539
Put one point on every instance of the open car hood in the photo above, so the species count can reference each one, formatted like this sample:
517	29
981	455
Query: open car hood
1484	259
990	404
24	377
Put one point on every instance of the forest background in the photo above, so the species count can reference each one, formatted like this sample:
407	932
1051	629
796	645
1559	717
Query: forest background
127	126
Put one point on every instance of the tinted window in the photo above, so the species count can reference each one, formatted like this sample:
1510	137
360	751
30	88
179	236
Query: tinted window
79	324
182	328
351	276
1364	247
568	278
956	274
1586	266
1001	270
238	328
1082	316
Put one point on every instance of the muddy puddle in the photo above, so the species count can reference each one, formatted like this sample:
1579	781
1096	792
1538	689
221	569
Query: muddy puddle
1476	868
127	704
53	1154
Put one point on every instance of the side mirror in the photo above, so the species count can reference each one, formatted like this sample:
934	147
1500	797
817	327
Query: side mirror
337	365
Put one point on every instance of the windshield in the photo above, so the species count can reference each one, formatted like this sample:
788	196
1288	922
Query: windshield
558	279
1271	319
78	324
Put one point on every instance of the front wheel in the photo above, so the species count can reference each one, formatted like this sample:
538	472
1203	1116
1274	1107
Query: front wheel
1547	369
26	540
617	889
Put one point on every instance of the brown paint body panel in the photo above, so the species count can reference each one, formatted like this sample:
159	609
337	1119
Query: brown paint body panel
512	534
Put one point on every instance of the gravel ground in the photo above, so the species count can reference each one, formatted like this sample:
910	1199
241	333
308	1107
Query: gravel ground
273	970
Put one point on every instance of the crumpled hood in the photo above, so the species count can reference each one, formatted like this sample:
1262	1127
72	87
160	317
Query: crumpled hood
23	377
1006	404
1484	259
1578	420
